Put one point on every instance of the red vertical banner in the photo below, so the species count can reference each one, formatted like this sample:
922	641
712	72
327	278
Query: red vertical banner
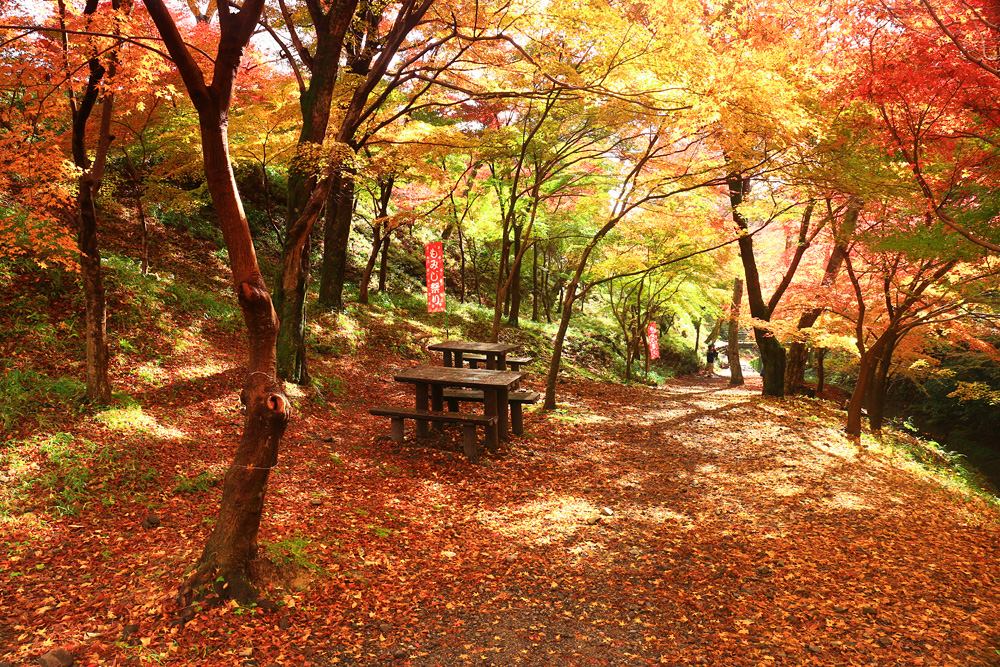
654	341
434	254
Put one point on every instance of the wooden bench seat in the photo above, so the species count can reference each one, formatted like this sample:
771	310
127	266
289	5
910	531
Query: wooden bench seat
515	398
474	360
515	363
468	421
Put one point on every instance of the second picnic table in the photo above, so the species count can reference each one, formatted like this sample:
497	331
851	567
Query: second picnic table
430	382
495	353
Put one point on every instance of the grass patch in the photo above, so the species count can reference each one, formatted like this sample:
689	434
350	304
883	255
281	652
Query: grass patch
23	391
66	473
200	483
292	550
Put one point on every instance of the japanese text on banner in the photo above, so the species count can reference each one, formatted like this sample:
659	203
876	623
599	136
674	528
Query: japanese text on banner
654	341
434	253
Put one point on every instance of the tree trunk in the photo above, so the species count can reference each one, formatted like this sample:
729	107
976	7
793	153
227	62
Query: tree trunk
795	365
549	402
534	283
735	367
290	299
385	186
820	369
88	183
772	354
383	266
95	309
292	284
370	265
227	560
339	214
461	266
876	402
515	287
855	407
475	274
232	546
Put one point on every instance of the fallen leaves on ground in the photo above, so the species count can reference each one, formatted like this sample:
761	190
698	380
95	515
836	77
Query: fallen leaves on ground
687	524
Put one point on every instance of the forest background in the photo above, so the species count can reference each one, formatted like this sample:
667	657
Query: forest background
821	174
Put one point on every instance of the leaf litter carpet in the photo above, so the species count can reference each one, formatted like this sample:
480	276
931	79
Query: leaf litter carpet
687	524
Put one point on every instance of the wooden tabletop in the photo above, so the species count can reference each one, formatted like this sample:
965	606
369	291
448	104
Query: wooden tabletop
472	346
477	378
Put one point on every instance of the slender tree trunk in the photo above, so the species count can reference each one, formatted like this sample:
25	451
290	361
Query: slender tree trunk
515	287
876	403
820	369
549	403
475	274
95	308
339	213
383	267
88	183
500	301
534	283
735	366
461	265
370	265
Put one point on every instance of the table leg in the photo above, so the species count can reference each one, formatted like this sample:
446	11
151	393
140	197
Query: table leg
491	361
437	403
490	409
502	424
422	405
502	361
458	359
447	358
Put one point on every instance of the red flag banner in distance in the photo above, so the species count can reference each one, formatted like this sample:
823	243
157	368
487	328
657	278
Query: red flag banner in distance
654	341
434	253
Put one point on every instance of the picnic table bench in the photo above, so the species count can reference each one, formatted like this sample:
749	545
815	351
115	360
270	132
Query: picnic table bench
515	398
468	421
431	381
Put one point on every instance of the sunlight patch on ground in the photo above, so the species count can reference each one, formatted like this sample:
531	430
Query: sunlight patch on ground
580	416
851	501
151	373
786	489
132	419
542	521
670	415
665	515
205	369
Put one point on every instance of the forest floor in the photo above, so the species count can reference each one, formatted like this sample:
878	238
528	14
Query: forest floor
690	523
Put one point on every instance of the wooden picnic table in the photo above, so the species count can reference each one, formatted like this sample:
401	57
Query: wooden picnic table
430	382
495	353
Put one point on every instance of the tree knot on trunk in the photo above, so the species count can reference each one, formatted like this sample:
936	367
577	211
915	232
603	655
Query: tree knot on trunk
265	399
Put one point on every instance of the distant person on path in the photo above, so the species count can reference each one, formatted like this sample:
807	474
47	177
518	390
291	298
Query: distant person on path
711	356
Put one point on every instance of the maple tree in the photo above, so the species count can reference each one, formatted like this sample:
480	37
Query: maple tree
933	95
85	61
232	546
